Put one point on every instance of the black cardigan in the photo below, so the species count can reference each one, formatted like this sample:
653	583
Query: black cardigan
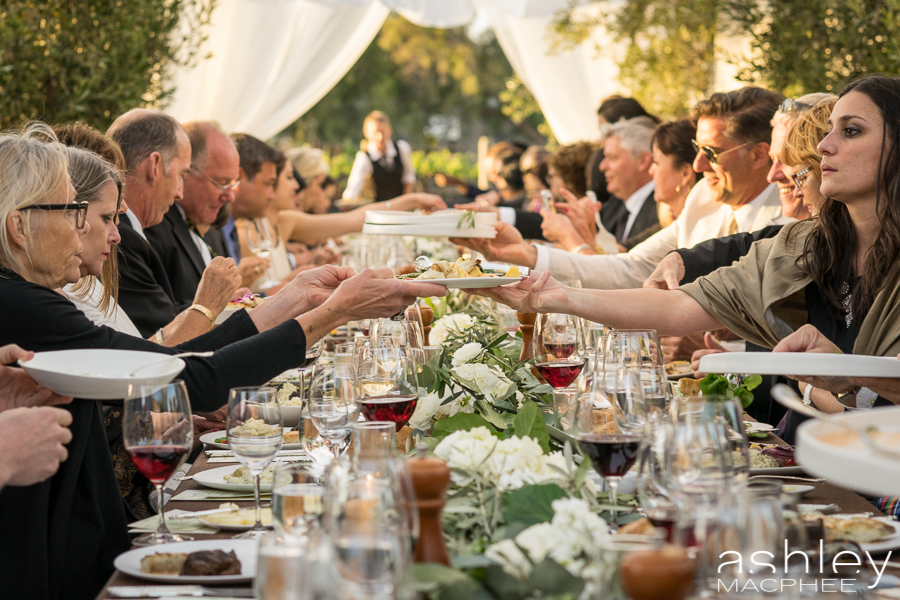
58	538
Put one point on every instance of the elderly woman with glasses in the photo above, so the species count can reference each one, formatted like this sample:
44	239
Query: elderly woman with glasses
65	532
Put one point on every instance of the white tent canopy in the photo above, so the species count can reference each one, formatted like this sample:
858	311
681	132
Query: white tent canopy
273	60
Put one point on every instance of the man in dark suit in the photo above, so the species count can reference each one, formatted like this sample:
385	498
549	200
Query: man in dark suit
210	185
158	156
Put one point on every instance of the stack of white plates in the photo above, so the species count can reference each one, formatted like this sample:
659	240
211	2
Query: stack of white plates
445	223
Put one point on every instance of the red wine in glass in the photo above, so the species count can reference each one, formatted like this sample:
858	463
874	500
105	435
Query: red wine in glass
560	374
158	462
611	454
397	409
665	522
561	350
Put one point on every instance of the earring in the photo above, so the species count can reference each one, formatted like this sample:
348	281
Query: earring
677	189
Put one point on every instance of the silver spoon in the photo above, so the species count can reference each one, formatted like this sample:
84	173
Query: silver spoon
787	397
423	263
168	358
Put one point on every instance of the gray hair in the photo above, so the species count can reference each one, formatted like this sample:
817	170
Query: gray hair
634	134
813	99
308	161
142	132
33	165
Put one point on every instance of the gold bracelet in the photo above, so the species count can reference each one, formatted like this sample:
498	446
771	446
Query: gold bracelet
159	336
205	312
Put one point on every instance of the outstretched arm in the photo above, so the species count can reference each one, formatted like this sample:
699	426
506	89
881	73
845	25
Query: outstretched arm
670	313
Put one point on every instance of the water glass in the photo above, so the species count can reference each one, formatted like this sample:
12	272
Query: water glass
334	403
255	435
297	498
281	568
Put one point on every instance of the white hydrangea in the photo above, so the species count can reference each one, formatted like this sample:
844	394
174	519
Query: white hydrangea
426	408
456	323
570	539
487	380
466	353
508	464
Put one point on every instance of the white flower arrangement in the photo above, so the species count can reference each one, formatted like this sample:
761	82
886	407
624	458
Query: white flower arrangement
452	324
506	463
570	539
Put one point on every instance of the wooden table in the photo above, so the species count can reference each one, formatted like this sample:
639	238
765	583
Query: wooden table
825	493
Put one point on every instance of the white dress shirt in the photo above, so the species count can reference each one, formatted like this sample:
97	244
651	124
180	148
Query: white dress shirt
201	244
634	204
89	304
701	219
135	223
362	166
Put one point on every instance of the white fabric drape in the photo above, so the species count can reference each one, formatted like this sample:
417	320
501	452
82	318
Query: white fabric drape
272	60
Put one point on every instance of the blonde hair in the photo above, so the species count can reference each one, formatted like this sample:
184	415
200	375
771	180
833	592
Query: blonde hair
33	165
801	139
89	173
309	162
789	118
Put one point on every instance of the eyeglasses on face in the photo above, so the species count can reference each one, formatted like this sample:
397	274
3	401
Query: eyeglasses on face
78	210
790	106
800	177
231	186
712	154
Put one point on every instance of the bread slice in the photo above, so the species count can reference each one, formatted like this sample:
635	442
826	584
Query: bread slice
163	563
688	386
292	437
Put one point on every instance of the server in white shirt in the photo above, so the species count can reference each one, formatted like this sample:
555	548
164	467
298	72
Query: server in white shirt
383	169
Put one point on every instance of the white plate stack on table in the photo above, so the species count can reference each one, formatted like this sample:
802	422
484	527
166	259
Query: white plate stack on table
444	223
801	363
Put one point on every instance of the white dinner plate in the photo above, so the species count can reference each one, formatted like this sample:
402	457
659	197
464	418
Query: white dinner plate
100	374
431	230
266	512
755	427
800	490
246	551
472	282
801	363
449	217
210	440
215	479
823	453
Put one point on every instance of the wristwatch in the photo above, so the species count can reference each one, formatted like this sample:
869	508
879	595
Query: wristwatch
846	396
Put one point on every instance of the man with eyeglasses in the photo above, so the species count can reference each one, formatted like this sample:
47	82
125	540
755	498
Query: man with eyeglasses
157	155
210	184
733	135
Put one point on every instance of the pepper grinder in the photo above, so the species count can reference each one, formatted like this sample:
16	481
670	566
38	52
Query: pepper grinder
430	476
526	326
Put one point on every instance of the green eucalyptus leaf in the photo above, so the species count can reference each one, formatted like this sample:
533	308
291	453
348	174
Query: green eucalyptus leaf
552	578
503	585
459	422
531	504
500	421
529	422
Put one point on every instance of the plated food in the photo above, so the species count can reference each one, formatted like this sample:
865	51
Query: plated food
772	459
233	479
219	440
467	273
240	520
861	530
679	368
230	561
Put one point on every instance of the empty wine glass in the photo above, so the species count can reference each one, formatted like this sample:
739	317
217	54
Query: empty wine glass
255	435
334	403
158	433
261	240
727	412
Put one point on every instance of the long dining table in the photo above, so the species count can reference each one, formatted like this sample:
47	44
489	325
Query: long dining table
848	501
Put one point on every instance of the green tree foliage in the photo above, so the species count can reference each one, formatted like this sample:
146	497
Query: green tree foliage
413	74
91	60
803	46
669	49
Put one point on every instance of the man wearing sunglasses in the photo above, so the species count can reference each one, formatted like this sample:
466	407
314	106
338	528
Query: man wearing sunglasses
211	183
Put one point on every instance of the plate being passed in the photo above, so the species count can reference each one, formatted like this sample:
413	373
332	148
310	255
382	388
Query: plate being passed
215	479
210	440
100	374
246	551
801	363
474	282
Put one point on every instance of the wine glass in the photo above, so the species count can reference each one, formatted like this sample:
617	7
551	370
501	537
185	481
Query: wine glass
633	347
334	403
158	433
611	454
507	318
255	435
655	501
658	392
728	412
625	391
389	383
316	447
297	498
261	240
558	349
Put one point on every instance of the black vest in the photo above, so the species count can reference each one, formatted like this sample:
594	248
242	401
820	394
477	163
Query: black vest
388	179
